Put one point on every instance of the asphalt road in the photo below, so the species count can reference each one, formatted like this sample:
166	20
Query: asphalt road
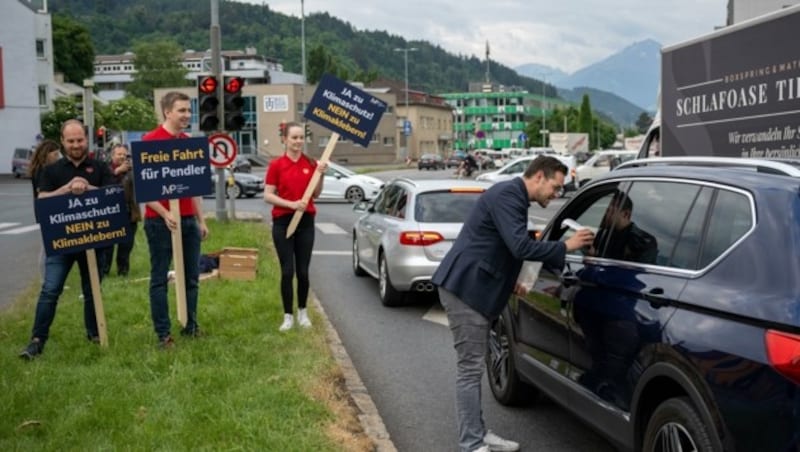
19	238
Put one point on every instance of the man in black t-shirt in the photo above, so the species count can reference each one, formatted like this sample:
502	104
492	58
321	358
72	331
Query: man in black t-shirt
74	174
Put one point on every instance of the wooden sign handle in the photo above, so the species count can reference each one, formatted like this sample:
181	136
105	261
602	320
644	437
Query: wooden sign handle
312	185
177	258
99	312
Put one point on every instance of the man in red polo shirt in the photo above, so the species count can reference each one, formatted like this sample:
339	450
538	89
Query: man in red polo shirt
159	224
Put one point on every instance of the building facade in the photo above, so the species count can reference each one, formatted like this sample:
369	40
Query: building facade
112	73
492	116
739	10
26	75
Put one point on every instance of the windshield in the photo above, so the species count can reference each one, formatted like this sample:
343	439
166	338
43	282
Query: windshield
444	206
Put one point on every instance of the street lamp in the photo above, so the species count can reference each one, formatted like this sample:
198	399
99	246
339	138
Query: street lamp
405	51
544	130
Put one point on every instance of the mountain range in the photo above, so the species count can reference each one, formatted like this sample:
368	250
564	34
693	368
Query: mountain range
631	74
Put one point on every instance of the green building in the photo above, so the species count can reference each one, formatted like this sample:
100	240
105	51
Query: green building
492	116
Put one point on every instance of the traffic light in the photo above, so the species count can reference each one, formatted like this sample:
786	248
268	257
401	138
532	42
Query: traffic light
308	131
282	131
234	103
207	102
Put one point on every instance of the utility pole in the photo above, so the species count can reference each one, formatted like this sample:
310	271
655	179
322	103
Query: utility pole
88	112
407	130
216	71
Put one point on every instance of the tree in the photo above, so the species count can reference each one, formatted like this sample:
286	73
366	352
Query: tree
129	113
585	116
73	50
158	65
64	108
321	62
643	123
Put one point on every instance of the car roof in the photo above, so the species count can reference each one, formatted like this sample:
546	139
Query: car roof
742	177
440	184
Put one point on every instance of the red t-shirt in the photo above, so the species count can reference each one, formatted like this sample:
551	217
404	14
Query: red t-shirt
186	204
290	180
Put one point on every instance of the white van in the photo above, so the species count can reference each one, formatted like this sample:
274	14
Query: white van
602	162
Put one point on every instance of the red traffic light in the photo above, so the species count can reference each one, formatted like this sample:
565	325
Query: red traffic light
207	84
233	84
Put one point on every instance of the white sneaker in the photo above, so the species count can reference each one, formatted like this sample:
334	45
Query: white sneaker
482	449
497	444
288	322
302	318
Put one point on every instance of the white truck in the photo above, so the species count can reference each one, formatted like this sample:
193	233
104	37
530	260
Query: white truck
569	143
731	93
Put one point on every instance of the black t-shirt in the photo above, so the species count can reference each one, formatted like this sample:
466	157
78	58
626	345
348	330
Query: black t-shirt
59	173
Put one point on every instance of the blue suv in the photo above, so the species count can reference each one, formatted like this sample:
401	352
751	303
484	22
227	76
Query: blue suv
679	328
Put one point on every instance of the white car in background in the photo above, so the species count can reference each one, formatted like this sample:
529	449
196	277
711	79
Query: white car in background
602	162
341	183
518	166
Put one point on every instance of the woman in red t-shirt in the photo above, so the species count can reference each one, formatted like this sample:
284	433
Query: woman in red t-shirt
285	183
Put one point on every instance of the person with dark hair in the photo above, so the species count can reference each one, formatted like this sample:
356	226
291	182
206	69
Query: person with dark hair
75	174
46	152
121	171
159	225
286	180
626	241
478	274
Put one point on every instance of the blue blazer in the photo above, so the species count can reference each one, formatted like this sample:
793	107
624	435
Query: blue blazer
483	265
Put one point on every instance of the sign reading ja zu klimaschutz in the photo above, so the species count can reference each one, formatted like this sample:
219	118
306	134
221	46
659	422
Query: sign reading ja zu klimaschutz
345	109
734	94
170	169
72	223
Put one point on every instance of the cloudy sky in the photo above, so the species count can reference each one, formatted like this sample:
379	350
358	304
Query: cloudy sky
567	34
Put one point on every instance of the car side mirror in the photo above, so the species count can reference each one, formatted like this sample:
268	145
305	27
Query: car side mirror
362	206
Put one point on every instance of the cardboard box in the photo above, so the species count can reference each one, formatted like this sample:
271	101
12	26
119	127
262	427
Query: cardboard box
238	263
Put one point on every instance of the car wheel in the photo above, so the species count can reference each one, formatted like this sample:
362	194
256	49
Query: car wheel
389	295
354	194
504	381
356	264
676	426
233	191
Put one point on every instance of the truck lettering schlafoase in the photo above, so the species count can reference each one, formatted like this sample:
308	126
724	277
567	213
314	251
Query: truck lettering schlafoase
735	92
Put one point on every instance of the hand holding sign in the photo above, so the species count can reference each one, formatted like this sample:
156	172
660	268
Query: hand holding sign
346	111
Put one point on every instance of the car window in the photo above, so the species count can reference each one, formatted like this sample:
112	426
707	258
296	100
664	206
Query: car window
517	167
588	210
730	219
687	251
444	206
388	199
602	160
399	208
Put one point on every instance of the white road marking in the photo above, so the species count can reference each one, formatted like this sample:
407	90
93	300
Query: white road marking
331	228
436	315
7	225
331	253
22	230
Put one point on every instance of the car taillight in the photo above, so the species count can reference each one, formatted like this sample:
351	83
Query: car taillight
420	238
783	351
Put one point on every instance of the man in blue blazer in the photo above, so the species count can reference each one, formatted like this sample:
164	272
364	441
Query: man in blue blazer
478	274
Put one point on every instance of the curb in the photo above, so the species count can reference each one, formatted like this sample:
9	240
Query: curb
368	415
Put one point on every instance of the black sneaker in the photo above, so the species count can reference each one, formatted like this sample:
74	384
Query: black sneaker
166	343
33	349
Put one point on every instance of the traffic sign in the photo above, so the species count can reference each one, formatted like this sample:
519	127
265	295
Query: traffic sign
523	137
407	127
223	150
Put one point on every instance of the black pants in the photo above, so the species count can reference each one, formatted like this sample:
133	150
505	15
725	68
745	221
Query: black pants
294	254
106	255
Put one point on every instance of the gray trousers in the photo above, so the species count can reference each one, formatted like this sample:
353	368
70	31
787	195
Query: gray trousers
470	331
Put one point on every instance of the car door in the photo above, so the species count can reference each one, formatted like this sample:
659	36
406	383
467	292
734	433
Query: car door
621	297
373	226
541	318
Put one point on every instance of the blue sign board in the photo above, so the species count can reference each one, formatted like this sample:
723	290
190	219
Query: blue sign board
72	223
523	137
169	169
406	127
345	109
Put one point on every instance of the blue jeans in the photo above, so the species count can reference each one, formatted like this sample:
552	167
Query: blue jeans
470	331
56	270
159	239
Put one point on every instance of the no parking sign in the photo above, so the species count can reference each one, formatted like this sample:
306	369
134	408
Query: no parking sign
223	150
